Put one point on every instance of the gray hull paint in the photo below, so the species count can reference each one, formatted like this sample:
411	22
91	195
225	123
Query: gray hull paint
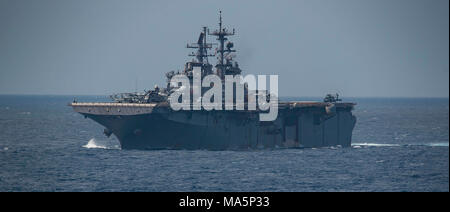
228	130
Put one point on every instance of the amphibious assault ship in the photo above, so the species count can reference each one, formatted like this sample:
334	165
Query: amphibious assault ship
147	121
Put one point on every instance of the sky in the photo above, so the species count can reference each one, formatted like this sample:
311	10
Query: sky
358	48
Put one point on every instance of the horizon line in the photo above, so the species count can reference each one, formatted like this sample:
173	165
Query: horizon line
287	96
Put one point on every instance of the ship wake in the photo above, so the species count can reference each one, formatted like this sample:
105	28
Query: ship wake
359	145
373	145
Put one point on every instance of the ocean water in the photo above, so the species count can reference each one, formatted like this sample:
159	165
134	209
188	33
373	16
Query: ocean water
398	145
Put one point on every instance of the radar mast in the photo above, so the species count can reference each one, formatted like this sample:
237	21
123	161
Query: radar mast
222	34
202	46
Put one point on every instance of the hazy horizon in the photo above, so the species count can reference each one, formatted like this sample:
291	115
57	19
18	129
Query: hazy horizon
357	48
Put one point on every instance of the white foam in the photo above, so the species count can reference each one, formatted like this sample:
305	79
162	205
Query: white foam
373	144
95	144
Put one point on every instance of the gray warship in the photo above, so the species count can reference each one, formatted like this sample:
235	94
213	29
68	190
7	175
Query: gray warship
147	121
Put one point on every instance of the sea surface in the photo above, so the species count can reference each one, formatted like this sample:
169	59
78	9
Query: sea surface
399	144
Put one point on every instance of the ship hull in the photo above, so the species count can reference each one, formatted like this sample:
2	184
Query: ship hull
224	130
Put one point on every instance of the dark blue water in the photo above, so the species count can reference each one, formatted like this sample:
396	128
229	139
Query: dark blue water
399	145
